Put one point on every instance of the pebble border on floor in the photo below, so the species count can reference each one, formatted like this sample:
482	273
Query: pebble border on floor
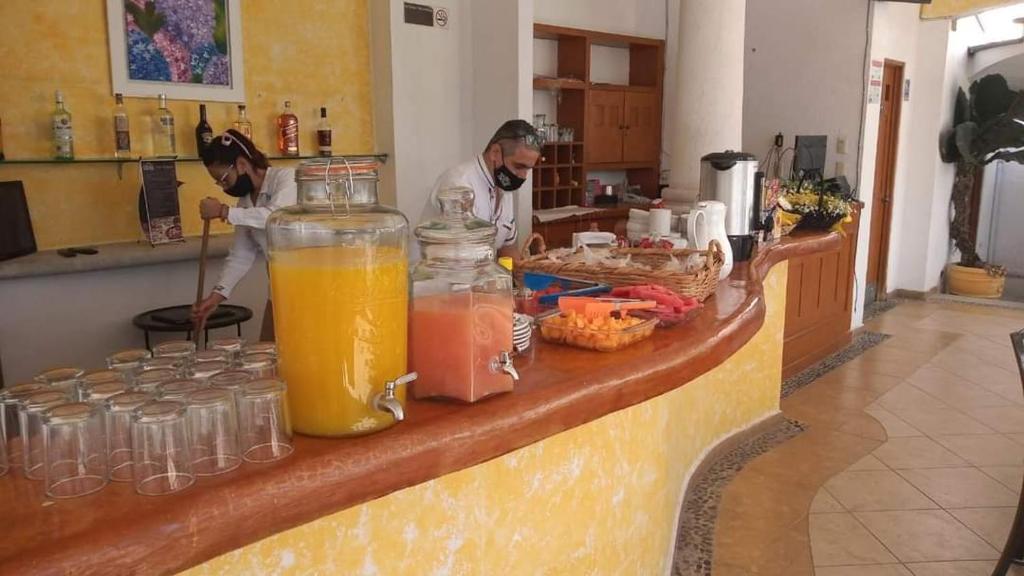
861	344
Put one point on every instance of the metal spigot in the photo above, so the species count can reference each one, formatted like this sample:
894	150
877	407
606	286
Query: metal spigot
386	401
504	364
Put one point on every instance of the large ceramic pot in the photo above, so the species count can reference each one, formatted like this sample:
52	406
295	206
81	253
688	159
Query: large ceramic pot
975	282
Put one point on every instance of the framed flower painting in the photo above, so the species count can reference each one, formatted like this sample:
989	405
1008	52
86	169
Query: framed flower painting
187	49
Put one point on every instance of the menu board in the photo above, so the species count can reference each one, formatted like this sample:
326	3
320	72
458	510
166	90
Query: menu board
160	212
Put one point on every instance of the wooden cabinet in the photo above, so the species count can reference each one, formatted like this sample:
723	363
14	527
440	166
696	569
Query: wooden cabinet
623	126
642	129
604	126
819	304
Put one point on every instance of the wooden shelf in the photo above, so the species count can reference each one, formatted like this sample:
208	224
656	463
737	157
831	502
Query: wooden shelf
620	165
625	88
558	84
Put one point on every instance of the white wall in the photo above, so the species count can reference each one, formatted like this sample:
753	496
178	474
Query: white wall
36	332
803	78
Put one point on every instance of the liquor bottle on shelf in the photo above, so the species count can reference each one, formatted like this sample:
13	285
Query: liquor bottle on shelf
122	136
63	138
242	123
163	136
204	133
288	131
323	134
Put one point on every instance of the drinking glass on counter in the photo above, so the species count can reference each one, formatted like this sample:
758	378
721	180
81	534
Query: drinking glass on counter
161	455
175	364
212	356
30	416
263	426
94	377
232	381
232	346
260	348
76	452
150	380
183	350
202	371
259	365
119	432
178	390
129	362
99	392
213	431
10	401
64	379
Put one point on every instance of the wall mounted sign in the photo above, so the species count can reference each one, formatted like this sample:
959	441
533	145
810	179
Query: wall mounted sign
906	90
424	15
159	211
186	49
875	81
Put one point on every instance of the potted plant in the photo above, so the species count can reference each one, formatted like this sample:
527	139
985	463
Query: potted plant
986	127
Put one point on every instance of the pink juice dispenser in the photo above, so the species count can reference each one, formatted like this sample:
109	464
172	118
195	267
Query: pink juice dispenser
460	336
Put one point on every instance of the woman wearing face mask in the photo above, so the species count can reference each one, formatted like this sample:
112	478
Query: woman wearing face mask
242	171
494	175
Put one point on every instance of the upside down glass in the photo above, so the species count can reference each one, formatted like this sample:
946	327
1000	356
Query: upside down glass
161	455
213	432
76	452
10	401
119	432
64	379
264	429
30	417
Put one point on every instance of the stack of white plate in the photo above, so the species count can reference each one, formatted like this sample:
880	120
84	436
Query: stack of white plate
522	331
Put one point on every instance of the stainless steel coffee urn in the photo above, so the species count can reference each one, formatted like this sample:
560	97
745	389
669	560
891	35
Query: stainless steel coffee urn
732	178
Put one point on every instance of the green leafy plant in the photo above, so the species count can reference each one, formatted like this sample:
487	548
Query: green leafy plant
987	126
148	20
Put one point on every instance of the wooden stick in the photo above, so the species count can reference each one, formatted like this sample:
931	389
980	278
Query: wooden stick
202	277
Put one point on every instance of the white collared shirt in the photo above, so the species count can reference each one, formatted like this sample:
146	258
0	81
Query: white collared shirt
490	202
250	222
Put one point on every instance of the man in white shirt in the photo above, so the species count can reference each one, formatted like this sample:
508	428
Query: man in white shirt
499	170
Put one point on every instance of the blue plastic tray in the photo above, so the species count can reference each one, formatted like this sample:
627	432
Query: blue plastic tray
573	287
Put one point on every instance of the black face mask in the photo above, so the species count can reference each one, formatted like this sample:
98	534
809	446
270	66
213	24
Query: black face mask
507	179
243	187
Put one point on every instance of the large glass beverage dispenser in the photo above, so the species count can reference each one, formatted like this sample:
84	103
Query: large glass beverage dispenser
340	290
461	328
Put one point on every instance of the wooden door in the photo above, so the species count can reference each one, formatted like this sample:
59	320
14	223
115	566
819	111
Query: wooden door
885	173
642	137
604	126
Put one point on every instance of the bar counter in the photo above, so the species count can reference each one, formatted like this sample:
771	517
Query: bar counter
582	468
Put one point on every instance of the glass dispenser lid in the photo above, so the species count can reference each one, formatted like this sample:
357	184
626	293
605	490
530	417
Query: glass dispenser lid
457	224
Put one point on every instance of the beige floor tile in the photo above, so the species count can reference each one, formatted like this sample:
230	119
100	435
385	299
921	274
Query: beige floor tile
868	462
884	366
877	570
934	421
865	490
906	396
1008	418
894	426
879	384
726	569
954	390
974	568
840	540
960	487
824	502
926	535
1010	391
992	524
916	452
1018	438
1010	476
985	449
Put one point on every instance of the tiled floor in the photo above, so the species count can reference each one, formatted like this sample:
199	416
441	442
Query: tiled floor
911	465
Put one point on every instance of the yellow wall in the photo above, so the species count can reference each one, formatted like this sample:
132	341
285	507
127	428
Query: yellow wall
949	8
598	499
312	52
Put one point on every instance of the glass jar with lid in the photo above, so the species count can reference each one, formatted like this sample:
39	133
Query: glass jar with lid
461	327
339	285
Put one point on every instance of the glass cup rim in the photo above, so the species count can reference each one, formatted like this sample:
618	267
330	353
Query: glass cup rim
174	346
210	366
57	375
216	356
151	376
209	397
107	387
127	401
158	411
230	379
15	393
262	387
102	375
257	359
179	386
227	344
69	413
131	355
43	400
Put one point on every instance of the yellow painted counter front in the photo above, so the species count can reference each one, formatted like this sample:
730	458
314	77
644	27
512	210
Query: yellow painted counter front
601	498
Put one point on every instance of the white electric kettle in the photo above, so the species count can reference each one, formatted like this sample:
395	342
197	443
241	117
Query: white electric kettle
706	222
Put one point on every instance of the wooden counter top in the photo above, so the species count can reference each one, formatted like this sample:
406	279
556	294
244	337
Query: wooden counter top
116	531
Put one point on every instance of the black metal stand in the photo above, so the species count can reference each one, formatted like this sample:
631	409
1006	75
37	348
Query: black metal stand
1013	552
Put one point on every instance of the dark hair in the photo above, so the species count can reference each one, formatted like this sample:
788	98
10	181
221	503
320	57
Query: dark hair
513	134
227	147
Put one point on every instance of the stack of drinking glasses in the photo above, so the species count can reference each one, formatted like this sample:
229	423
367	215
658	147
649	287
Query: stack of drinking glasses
158	419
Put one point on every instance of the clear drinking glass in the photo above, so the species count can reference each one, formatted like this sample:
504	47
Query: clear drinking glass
93	377
76	451
30	417
99	393
260	348
213	431
119	432
232	380
260	365
65	379
202	371
178	389
263	425
161	457
212	356
233	347
150	380
183	350
129	362
10	400
163	363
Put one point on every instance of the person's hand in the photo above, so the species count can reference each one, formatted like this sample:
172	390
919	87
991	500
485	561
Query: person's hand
210	208
201	310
